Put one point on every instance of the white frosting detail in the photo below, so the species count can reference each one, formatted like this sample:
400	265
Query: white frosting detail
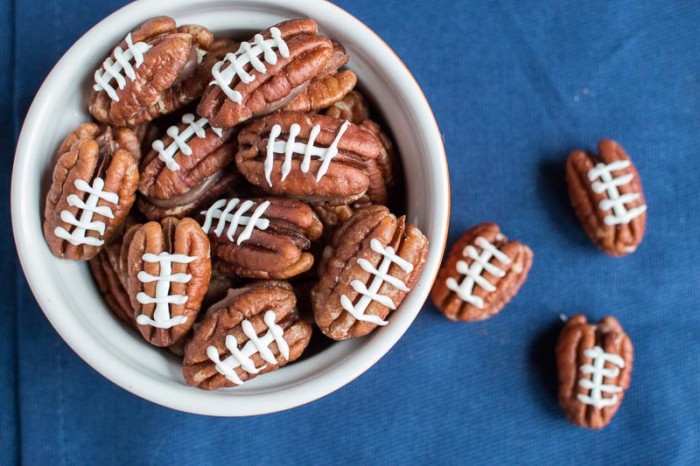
248	54
290	147
599	372
179	143
243	357
236	218
603	180
89	207
121	62
162	299
480	263
381	275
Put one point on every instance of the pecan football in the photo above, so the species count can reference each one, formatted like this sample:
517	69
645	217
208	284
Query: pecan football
254	330
155	70
265	73
373	262
595	364
168	275
606	193
93	188
483	272
263	237
310	157
186	168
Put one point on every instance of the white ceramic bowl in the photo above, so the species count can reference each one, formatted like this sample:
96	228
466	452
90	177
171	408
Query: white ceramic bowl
65	290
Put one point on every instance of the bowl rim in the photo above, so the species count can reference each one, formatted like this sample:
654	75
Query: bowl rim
141	384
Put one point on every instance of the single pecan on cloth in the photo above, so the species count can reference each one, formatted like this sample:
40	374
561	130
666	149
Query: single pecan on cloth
483	272
266	73
168	275
155	70
263	237
595	366
311	157
93	187
374	260
187	168
252	331
606	192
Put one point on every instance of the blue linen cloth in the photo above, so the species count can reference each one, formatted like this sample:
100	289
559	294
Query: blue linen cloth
514	86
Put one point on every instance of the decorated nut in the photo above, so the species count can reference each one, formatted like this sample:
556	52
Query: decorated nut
374	260
168	275
307	156
483	272
595	365
606	193
266	73
252	331
262	238
186	169
93	188
353	107
111	283
155	70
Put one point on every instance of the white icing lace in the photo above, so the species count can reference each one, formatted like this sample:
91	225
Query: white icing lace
179	143
236	219
121	62
163	299
243	358
599	373
473	273
381	275
291	147
609	184
248	54
89	208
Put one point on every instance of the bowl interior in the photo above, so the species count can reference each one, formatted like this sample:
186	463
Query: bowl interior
65	289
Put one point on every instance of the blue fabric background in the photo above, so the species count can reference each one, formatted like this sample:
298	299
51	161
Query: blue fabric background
515	86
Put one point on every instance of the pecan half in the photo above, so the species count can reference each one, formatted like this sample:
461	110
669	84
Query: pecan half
606	193
373	262
483	272
353	107
266	73
93	188
595	365
310	157
252	331
155	70
186	168
168	275
111	283
263	237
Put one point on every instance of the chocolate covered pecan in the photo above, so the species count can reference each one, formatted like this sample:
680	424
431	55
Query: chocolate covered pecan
606	193
155	70
310	157
265	73
168	275
483	272
595	365
93	188
262	238
373	262
252	331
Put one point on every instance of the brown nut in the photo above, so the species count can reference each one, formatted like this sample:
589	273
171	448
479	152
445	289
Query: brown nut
483	272
262	238
606	193
373	262
266	73
111	283
93	188
155	70
252	331
186	168
595	364
353	107
168	275
311	157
